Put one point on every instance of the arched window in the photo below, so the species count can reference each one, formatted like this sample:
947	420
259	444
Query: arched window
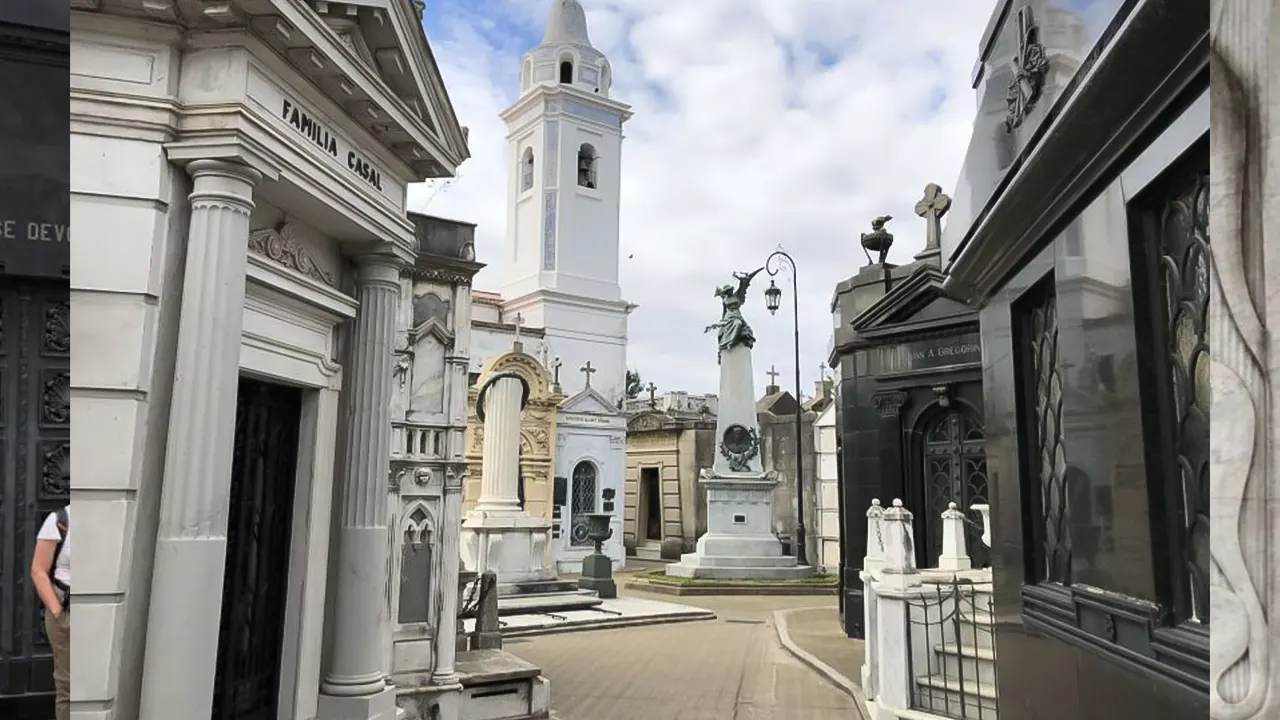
587	166
566	71
583	502
526	170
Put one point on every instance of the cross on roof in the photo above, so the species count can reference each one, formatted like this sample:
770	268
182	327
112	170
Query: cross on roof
518	321
588	371
773	375
652	389
932	207
555	370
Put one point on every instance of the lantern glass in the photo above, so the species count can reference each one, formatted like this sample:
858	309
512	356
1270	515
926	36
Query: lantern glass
772	297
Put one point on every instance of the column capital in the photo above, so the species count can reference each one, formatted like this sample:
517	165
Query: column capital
222	181
378	268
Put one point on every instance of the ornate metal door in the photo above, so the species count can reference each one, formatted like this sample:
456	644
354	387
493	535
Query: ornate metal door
258	532
582	503
955	471
35	454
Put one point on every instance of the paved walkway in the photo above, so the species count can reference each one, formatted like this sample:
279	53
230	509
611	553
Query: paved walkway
731	668
816	632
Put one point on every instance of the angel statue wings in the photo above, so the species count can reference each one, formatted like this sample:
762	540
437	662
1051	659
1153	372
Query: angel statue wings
733	329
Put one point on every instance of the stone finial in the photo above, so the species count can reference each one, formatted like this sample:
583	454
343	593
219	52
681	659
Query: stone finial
954	555
874	559
899	545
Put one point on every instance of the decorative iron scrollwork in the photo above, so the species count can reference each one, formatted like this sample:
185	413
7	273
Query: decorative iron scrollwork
740	445
1051	455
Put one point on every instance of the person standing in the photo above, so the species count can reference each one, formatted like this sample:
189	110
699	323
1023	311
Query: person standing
51	577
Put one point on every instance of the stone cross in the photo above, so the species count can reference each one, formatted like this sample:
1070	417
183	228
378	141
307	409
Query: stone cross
773	375
555	371
652	389
932	207
588	371
518	321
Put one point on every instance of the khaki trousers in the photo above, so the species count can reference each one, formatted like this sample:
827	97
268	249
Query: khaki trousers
59	632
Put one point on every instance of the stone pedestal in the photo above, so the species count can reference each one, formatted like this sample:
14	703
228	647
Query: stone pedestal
597	575
739	543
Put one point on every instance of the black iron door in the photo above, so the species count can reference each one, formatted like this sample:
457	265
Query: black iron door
955	471
35	453
583	503
258	532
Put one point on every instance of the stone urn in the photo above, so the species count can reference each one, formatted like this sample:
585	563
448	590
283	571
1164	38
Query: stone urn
598	530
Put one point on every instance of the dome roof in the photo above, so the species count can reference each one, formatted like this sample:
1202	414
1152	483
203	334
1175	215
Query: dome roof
566	23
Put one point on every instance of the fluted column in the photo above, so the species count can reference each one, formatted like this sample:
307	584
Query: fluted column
447	623
500	465
191	542
355	685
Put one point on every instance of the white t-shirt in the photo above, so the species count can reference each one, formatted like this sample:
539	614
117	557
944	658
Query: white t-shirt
49	531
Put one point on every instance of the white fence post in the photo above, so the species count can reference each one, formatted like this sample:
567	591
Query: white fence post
955	556
872	562
899	582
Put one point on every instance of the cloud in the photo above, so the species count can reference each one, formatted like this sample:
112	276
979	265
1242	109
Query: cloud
758	123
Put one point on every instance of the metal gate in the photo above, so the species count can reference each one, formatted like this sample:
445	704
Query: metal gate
258	533
35	454
955	471
583	502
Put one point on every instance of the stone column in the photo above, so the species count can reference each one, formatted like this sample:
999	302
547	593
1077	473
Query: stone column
191	544
447	623
355	686
500	466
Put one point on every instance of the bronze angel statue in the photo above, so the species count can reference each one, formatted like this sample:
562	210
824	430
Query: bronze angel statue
733	329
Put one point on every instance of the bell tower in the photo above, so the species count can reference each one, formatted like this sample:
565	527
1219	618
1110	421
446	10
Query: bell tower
563	191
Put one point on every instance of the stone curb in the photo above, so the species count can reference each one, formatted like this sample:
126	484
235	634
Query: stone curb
587	625
705	590
832	675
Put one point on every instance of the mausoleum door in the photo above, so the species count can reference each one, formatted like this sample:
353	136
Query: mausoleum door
950	466
35	454
258	551
583	502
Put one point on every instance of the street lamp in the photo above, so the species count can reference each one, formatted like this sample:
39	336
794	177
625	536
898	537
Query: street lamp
772	300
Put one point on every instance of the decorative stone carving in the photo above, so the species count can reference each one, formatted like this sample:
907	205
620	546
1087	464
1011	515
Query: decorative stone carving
55	471
1030	66
57	329
889	404
281	245
648	421
56	399
441	275
739	446
1241	650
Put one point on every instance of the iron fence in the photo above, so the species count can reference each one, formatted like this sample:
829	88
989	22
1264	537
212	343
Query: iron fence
951	650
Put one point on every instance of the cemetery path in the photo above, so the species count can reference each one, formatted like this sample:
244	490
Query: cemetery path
731	668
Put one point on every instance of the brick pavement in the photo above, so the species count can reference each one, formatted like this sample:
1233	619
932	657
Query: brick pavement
731	668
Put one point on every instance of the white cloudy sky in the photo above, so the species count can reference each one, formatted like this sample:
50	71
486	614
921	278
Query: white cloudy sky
757	123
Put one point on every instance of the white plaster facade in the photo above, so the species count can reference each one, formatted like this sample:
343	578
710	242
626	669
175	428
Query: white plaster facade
242	169
591	435
561	255
828	511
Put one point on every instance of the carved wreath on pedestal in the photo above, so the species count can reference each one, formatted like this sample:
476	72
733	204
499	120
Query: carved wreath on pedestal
739	446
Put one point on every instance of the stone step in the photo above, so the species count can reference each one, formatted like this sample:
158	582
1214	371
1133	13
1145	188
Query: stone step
746	561
649	552
972	662
536	587
947	696
548	602
497	685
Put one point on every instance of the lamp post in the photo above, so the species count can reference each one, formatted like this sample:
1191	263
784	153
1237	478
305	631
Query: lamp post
772	299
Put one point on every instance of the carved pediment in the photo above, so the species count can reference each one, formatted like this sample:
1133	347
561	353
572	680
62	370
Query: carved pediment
433	327
648	421
281	245
590	402
919	297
